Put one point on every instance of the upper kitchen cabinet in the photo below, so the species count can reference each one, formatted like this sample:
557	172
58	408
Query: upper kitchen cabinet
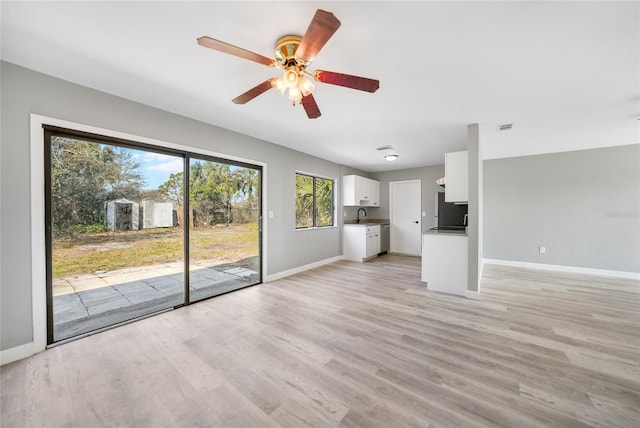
360	191
456	168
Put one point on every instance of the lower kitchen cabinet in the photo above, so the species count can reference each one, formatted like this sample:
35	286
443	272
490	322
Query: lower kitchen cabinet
444	262
361	242
373	241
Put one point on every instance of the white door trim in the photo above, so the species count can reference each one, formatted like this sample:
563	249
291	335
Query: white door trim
38	241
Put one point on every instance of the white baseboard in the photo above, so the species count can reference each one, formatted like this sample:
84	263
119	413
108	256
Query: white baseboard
472	295
17	353
569	269
299	269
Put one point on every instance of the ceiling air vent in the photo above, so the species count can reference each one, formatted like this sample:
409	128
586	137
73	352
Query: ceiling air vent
387	147
505	127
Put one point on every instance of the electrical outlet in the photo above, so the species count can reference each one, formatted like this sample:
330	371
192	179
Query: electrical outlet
542	250
270	214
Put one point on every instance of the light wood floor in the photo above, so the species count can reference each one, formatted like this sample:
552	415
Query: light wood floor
354	345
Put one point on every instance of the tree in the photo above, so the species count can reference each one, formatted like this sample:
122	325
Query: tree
212	189
173	188
77	183
246	200
304	200
248	181
314	201
84	175
324	202
122	177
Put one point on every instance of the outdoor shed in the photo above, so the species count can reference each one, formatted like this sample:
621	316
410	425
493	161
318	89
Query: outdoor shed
157	214
122	214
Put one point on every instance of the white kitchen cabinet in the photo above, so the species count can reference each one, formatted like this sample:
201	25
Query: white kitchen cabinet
373	241
456	168
374	189
444	262
361	242
360	191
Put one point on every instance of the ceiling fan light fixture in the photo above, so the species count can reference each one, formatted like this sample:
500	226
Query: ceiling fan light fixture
306	86
295	95
279	85
293	54
290	78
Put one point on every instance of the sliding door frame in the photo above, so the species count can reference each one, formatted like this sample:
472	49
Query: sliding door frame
45	128
209	158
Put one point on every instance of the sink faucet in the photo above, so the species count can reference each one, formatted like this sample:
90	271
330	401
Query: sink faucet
358	214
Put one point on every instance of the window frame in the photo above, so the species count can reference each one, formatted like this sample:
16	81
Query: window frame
315	177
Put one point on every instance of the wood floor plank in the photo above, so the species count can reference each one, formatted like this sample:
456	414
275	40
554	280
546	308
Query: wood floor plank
354	345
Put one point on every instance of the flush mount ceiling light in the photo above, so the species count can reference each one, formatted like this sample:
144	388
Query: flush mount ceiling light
392	155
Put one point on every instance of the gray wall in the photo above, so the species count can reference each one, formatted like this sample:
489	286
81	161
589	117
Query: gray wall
582	205
25	91
428	176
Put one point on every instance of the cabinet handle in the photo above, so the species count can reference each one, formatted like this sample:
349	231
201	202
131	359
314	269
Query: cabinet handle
416	222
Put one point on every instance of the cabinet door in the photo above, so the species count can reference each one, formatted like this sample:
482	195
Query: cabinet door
360	191
373	240
456	167
363	192
349	191
355	243
375	193
369	251
376	242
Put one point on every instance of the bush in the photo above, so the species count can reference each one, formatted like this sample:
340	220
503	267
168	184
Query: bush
86	228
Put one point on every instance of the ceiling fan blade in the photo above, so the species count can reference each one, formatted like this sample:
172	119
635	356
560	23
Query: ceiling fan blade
320	30
254	92
347	80
310	106
217	45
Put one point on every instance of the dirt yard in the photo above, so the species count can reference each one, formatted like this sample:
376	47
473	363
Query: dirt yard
107	251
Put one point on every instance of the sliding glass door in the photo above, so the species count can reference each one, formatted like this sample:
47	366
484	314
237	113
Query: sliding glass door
224	233
128	237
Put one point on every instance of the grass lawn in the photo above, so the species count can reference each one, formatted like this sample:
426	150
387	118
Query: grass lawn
89	252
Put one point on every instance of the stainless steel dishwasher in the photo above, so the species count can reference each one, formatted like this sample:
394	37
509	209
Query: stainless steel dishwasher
385	232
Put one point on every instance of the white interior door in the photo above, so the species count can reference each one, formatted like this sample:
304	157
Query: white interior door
404	212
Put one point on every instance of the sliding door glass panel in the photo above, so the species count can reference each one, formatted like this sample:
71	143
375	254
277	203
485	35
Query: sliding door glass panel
224	233
115	248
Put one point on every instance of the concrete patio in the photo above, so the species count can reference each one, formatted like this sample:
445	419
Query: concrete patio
88	302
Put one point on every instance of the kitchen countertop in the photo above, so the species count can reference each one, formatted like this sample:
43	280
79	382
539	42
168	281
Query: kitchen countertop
446	232
365	222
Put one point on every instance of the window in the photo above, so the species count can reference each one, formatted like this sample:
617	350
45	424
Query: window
314	201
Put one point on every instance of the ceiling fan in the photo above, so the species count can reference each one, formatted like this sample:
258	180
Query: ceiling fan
293	54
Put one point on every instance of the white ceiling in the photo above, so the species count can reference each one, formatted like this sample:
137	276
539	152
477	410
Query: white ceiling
567	74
